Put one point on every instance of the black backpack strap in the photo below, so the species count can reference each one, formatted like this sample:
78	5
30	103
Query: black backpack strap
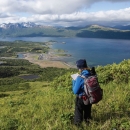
92	71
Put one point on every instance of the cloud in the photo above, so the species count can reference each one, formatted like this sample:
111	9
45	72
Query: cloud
5	15
82	18
48	6
41	7
59	12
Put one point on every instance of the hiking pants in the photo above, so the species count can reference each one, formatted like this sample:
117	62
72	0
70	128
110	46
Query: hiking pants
82	112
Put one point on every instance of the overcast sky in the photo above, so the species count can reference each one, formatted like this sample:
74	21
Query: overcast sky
66	12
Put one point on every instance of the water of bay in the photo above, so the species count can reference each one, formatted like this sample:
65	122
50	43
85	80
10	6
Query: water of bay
95	51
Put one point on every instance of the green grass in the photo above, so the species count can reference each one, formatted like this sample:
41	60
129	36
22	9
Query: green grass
48	107
47	103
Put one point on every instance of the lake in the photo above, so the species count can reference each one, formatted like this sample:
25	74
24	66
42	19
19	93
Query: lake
29	77
96	51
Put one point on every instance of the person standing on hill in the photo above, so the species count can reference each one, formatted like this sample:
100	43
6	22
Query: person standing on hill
82	111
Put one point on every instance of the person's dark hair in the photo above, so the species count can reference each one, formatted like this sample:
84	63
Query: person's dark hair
81	64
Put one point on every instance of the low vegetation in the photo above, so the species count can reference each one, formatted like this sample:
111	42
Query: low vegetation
47	103
10	49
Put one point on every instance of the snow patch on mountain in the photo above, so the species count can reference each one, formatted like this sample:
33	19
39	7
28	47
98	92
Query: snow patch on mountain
18	25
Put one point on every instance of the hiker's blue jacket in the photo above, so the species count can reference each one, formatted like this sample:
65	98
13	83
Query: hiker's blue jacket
78	84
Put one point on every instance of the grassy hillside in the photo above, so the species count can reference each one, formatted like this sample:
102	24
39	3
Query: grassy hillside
96	31
48	103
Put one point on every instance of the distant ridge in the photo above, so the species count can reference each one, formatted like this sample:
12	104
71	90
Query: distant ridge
31	29
17	25
122	27
21	25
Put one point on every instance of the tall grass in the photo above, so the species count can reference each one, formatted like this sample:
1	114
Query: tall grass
50	106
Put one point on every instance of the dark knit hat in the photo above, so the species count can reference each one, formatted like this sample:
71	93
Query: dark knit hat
81	64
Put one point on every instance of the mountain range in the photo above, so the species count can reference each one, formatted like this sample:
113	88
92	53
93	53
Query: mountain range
30	29
17	25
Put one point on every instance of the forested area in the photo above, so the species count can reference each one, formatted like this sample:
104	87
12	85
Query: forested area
12	69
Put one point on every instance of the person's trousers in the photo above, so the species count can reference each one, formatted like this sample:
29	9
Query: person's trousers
82	112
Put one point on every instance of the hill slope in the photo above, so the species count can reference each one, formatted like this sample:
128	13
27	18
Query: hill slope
50	104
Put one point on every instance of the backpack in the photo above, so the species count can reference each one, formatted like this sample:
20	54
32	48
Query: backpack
92	89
